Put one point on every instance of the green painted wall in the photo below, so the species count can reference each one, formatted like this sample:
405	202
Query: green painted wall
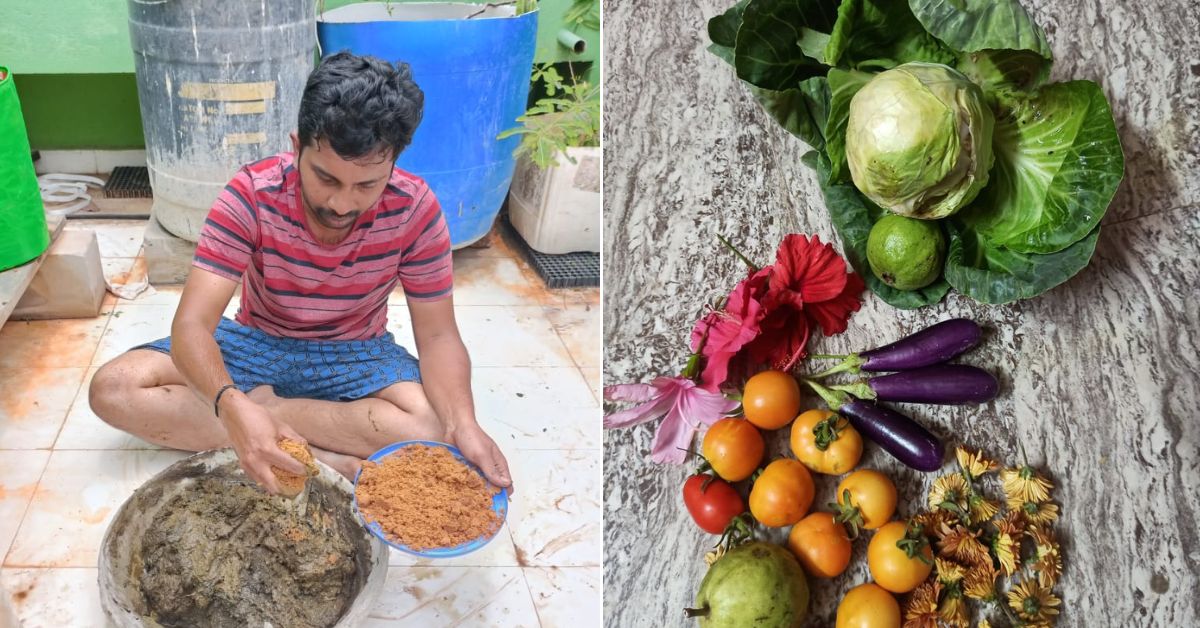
70	111
73	66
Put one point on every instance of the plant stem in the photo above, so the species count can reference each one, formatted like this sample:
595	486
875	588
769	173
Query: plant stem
828	356
697	612
835	398
859	389
731	247
849	364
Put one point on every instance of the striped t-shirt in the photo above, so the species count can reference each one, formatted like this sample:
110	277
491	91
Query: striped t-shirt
296	287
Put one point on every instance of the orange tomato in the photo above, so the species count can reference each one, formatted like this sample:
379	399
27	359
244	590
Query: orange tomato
868	606
821	544
825	442
734	448
872	494
771	399
892	567
782	495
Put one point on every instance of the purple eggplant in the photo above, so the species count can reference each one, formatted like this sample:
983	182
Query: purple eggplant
897	434
933	345
948	384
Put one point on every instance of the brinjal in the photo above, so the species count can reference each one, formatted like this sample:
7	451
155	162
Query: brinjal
897	434
933	345
948	384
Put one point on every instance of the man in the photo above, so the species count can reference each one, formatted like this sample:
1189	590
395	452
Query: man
319	238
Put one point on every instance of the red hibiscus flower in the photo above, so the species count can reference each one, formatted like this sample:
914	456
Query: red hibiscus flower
769	317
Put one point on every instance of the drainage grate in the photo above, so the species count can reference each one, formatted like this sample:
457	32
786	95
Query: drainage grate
128	182
570	270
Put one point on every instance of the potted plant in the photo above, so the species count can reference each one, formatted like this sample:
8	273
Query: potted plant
554	202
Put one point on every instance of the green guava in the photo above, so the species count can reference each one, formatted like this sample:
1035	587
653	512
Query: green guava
906	253
757	585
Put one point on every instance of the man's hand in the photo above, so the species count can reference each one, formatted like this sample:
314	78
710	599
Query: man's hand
255	435
480	449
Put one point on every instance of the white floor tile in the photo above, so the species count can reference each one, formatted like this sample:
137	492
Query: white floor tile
78	495
400	324
555	515
55	598
133	325
34	404
536	407
50	344
454	596
510	335
580	329
567	597
492	281
595	380
19	473
84	430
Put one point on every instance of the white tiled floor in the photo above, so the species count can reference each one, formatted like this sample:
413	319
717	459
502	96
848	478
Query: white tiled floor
63	472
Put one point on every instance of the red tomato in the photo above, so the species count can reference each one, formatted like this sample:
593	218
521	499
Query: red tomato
712	506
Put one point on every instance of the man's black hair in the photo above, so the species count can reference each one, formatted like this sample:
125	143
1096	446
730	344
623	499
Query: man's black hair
360	106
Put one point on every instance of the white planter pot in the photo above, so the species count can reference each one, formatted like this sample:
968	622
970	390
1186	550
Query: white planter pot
558	210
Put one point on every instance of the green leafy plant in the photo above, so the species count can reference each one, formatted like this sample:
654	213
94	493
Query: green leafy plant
583	13
1056	159
568	116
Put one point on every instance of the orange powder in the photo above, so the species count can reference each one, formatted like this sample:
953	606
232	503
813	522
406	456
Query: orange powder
425	498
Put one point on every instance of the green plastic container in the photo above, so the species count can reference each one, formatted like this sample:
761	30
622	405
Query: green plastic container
23	233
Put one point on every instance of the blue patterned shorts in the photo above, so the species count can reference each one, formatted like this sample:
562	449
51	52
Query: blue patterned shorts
331	370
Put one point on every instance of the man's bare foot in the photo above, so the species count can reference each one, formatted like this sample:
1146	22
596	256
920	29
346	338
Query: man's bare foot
345	464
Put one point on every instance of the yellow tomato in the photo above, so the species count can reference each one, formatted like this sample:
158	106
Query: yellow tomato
782	495
872	494
891	565
771	399
821	545
733	448
868	606
826	442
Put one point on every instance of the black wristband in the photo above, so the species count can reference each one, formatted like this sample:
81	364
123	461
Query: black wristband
216	407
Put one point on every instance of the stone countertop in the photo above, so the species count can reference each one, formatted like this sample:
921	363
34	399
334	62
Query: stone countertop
1099	375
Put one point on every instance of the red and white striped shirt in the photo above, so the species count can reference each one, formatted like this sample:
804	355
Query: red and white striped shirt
296	287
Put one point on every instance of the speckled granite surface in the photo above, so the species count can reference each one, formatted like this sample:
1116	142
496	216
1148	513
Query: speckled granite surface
1099	375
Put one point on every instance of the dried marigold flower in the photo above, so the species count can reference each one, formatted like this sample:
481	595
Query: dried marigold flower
1004	547
953	611
1047	560
949	492
962	544
981	508
1044	512
1012	524
933	519
921	609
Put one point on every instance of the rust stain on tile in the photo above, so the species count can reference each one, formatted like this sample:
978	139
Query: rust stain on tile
522	558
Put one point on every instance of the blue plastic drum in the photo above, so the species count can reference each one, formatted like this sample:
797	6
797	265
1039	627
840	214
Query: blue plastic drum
475	74
499	506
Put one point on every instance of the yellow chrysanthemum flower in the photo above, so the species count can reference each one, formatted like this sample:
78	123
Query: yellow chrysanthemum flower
921	610
948	571
1047	561
1045	512
953	611
980	583
984	623
949	489
1025	484
1033	602
1005	548
982	508
962	544
974	464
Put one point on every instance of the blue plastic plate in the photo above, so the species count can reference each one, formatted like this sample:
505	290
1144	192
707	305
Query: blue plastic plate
499	506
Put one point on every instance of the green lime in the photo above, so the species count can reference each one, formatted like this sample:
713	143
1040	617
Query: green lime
906	253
